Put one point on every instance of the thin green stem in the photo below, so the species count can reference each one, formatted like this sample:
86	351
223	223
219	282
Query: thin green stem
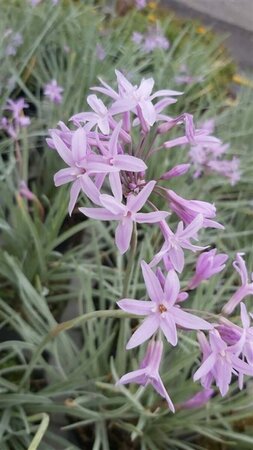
130	262
41	430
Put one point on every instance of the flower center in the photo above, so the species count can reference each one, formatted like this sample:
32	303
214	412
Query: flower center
162	308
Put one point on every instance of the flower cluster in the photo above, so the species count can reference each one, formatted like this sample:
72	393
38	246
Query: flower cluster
207	157
16	118
151	40
107	152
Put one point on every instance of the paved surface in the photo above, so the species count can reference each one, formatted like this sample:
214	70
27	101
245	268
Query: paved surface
240	38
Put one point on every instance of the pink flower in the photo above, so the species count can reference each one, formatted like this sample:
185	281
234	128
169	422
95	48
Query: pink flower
219	362
149	372
239	337
126	214
208	264
245	289
81	166
187	210
53	91
99	117
113	155
160	310
176	242
136	99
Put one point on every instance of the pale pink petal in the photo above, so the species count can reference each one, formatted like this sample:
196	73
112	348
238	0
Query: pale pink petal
137	376
74	193
90	189
103	124
139	307
112	204
189	321
116	186
148	111
165	93
144	332
64	176
135	203
151	217
169	329
171	288
244	316
129	163
176	256
205	367
152	283
62	149
123	235
159	387
113	144
79	144
191	230
98	213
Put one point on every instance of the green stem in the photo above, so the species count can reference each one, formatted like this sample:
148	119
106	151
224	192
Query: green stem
67	326
130	262
41	430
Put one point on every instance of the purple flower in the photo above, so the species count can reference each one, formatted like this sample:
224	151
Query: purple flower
239	337
160	310
219	362
53	91
81	166
187	210
114	157
149	372
100	115
208	264
176	242
136	99
244	290
126	214
198	400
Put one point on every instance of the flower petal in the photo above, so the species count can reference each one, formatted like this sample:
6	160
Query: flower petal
189	321
168	326
171	288
144	332
135	203
112	204
205	367
151	217
139	307
62	149
79	145
98	213
152	283
123	235
74	193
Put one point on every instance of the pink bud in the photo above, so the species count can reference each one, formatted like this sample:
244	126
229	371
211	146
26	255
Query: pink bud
176	171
